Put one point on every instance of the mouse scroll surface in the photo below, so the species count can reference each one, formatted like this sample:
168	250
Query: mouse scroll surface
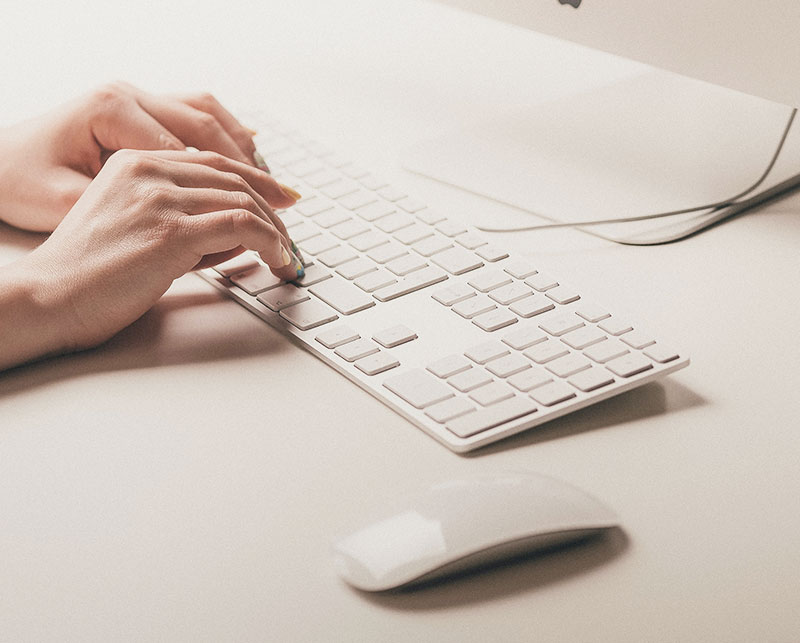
467	522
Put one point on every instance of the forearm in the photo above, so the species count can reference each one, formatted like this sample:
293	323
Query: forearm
30	321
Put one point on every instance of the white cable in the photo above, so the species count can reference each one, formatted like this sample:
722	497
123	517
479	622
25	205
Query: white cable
646	217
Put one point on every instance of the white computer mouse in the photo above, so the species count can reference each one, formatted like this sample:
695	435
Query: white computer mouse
465	523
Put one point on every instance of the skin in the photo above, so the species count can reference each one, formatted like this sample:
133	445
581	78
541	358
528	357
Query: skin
126	222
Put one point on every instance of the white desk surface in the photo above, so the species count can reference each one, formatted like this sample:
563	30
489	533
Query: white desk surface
184	481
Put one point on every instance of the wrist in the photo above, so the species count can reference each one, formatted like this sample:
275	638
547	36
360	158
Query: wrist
34	319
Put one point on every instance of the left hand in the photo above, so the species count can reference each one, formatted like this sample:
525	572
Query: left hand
47	163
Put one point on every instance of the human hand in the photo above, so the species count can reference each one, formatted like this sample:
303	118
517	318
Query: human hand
48	162
148	218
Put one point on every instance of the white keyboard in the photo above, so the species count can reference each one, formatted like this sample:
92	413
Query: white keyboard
466	342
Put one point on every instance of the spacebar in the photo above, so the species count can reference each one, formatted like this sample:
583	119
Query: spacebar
472	423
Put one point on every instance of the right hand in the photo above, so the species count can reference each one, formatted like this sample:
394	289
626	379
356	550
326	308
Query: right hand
146	219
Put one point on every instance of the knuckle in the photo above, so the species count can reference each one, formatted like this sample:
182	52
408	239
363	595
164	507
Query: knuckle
206	98
206	121
134	162
109	97
212	159
243	200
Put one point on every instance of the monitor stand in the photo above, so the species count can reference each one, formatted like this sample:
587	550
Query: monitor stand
652	143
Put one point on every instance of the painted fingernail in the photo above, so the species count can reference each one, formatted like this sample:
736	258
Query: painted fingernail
261	164
298	266
252	131
290	192
285	256
297	253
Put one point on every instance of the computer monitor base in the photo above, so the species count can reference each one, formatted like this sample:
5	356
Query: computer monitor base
653	143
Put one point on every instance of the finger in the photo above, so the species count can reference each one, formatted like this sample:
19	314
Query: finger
193	126
218	257
197	175
276	194
238	132
124	124
218	232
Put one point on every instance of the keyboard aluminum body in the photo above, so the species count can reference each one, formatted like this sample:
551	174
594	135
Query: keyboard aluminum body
469	344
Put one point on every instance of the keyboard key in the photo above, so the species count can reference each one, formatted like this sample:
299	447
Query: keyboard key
313	275
491	416
374	211
470	241
337	335
282	297
305	167
541	282
453	294
236	265
614	326
637	339
491	393
304	232
486	352
321	178
413	233
450	228
473	306
387	252
552	393
491	253
256	280
591	379
354	171
410	205
487	280
530	306
351	351
522	338
591	312
583	337
339	189
457	261
468	380
391	193
343	296
431	217
394	336
449	409
605	351
372	281
413	282
318	244
313	206
449	365
561	325
519	268
380	362
406	264
355	268
494	320
309	314
372	182
660	354
629	365
509	365
368	240
509	294
336	256
394	222
546	351
291	218
357	199
430	246
331	218
568	365
349	229
562	295
529	379
418	388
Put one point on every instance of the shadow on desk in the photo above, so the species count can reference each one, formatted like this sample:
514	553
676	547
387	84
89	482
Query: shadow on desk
518	576
169	334
656	398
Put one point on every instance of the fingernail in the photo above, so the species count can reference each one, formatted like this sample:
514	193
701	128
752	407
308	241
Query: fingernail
298	266
290	192
261	164
297	253
287	259
252	131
